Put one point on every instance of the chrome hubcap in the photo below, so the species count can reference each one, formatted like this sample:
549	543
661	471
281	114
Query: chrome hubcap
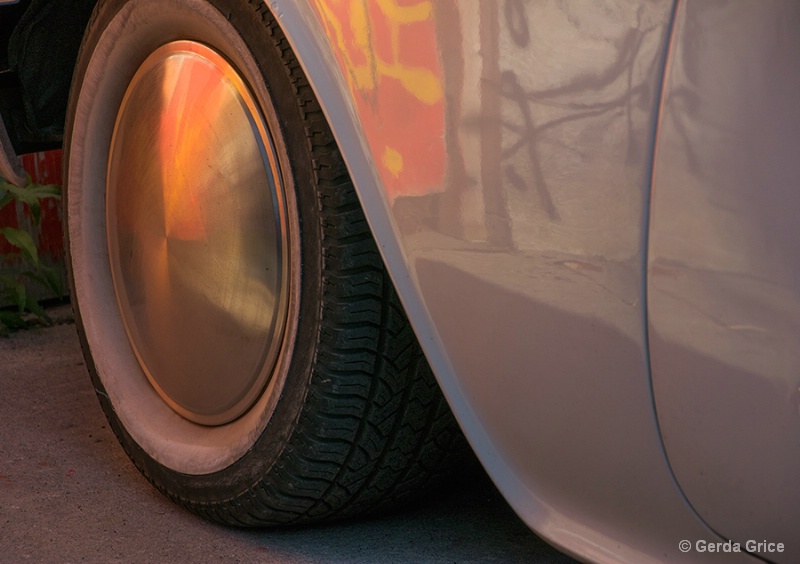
197	233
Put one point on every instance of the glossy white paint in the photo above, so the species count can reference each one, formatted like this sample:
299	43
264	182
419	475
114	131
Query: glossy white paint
522	268
724	286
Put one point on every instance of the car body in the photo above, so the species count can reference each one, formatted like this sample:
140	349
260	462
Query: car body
588	211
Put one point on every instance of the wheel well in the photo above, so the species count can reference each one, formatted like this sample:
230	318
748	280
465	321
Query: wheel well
39	42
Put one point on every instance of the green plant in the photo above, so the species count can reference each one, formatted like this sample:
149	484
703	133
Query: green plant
13	287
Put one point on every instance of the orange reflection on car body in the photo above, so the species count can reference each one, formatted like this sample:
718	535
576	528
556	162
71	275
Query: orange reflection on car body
387	52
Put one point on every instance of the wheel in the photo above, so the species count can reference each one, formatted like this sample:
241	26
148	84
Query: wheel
244	339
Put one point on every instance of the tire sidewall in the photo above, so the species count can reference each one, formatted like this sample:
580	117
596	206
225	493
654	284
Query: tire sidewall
125	32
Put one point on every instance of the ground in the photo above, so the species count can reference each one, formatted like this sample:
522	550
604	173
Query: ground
69	494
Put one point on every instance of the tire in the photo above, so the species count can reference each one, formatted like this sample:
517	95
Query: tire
242	334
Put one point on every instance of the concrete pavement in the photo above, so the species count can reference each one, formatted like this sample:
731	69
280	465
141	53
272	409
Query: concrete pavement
69	494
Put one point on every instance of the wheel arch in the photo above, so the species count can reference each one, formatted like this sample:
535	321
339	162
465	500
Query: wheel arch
316	53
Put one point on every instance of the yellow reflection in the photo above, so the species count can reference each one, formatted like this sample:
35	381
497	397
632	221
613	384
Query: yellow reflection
393	161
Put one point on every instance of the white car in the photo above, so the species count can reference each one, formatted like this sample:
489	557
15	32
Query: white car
286	217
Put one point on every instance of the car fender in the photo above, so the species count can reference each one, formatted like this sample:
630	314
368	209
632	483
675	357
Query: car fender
598	485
